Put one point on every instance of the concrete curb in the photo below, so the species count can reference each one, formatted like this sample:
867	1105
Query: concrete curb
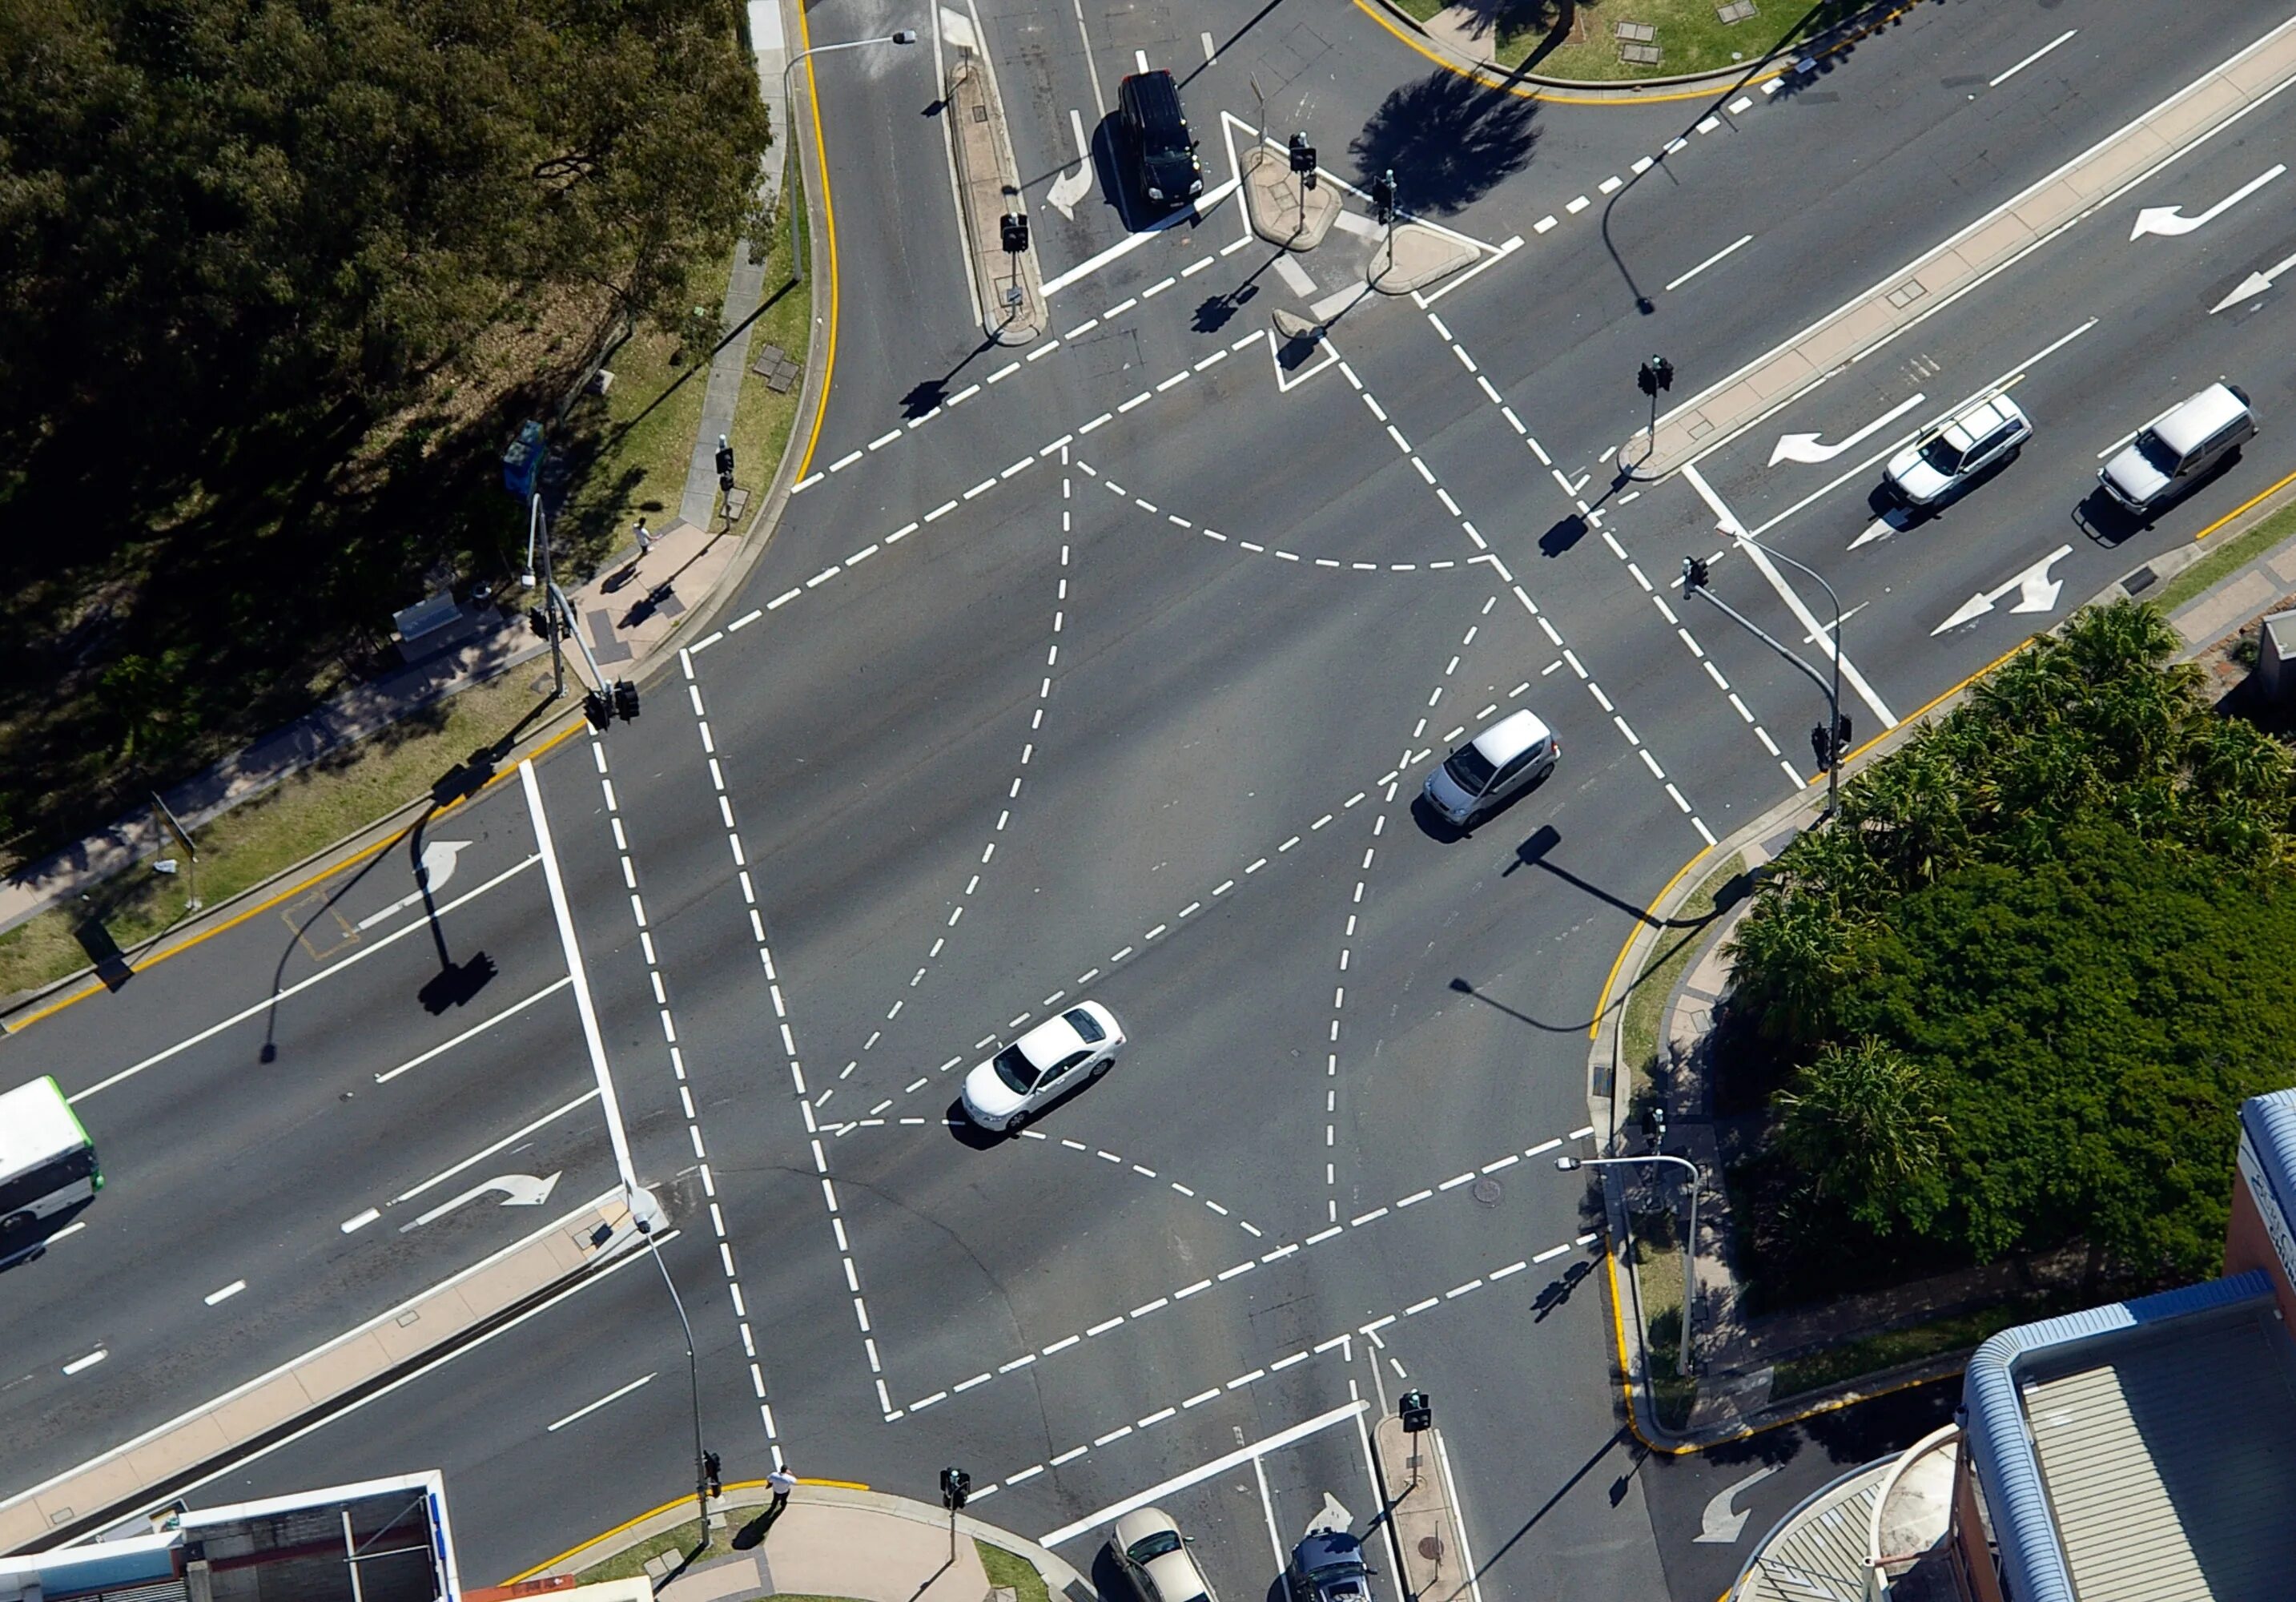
1633	91
481	1297
1059	1576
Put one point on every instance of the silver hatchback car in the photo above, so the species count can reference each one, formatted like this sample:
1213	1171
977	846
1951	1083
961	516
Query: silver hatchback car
1506	758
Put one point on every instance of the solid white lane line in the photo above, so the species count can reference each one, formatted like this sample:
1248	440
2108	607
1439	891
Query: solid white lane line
1728	521
1202	1472
213	1029
2029	61
1710	261
512	1010
601	1402
506	1141
582	1006
1133	241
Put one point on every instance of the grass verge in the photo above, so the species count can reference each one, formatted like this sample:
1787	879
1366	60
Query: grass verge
334	798
1578	43
646	422
1871	1354
1646	1001
1657	1257
2227	554
1011	1569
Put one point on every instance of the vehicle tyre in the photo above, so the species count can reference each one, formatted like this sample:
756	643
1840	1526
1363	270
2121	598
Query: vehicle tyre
1099	1069
1012	1125
15	1221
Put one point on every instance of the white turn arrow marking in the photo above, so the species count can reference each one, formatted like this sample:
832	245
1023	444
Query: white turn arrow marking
1805	447
1070	188
1332	1515
1719	1525
2035	591
2171	220
1880	528
437	867
519	1190
2254	286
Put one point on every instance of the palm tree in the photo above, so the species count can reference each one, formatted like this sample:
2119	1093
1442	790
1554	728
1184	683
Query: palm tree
1788	959
1863	1123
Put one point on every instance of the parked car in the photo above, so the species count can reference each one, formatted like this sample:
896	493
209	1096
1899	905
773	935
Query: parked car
1155	132
1155	1555
1328	1567
2178	448
1051	1060
1506	758
1951	457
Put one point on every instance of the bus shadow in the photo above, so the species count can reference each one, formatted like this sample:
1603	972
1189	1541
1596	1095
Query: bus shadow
33	1245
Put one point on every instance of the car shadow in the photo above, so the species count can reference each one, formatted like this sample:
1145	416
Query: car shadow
2107	522
967	1133
16	1252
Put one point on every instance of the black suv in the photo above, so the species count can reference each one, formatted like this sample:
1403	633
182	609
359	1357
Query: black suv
1155	135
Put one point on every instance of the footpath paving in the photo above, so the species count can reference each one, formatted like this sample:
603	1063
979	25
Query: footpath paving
1737	1360
832	1539
2105	171
482	1297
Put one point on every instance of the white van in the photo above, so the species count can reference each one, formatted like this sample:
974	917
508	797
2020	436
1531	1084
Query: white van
2179	449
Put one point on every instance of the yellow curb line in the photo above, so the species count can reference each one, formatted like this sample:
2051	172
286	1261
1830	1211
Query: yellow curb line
829	228
630	1524
2243	507
294	890
1651	912
1624	96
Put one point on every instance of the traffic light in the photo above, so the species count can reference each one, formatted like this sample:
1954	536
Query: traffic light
1693	572
1657	374
597	708
724	458
709	1472
1418	1413
1820	747
1013	228
1841	737
955	1485
1303	159
1383	195
625	700
538	621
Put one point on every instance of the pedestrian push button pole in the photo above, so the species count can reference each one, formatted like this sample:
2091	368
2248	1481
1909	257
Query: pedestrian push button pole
1418	1416
955	1486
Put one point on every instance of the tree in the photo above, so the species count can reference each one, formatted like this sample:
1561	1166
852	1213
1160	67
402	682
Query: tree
1790	959
1863	1122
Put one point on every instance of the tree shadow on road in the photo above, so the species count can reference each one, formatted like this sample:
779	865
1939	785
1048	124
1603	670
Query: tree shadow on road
1448	140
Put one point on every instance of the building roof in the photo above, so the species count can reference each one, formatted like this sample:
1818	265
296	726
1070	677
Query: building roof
2144	1450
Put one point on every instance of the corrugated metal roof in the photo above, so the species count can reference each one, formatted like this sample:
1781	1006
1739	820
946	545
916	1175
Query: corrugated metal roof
2171	1469
1819	1555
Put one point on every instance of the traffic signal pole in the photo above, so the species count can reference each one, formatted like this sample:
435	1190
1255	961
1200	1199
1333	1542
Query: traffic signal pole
1694	581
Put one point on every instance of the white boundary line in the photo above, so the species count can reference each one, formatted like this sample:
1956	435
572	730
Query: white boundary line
1217	1466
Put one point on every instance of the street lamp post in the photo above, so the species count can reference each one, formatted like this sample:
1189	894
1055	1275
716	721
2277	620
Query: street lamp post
1693	580
701	1464
1690	1244
906	35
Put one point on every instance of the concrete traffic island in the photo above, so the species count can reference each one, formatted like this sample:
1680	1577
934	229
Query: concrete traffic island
1415	256
1009	290
1282	211
1423	1510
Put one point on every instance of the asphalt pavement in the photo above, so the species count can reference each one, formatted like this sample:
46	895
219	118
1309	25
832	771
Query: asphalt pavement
1110	667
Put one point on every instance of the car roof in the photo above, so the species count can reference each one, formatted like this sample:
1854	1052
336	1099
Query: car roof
2193	419
1510	737
1050	1041
1142	1521
1157	95
1969	426
1323	1547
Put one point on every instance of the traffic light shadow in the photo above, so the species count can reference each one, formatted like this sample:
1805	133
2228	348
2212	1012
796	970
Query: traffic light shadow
1562	535
927	396
1213	314
1618	1438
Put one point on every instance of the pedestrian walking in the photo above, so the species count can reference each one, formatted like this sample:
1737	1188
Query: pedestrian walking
645	539
783	1483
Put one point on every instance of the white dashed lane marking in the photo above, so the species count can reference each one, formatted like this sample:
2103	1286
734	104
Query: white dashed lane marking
1343	1343
1240	1270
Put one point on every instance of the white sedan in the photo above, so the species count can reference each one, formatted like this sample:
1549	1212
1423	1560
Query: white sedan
1048	1063
1950	456
1156	1556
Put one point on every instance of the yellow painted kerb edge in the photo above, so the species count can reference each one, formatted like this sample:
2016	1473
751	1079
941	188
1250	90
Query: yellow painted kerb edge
292	891
1602	1002
828	227
568	1555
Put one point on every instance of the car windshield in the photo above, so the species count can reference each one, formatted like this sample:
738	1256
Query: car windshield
1015	1069
1943	455
1471	769
1153	1546
2154	449
1087	1026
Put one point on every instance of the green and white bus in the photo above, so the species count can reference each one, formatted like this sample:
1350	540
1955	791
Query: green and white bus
47	1165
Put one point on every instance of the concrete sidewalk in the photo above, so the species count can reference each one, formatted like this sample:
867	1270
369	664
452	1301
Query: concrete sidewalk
2106	170
833	1539
627	614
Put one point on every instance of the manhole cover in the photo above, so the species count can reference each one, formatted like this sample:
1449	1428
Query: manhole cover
1488	1191
1430	1547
